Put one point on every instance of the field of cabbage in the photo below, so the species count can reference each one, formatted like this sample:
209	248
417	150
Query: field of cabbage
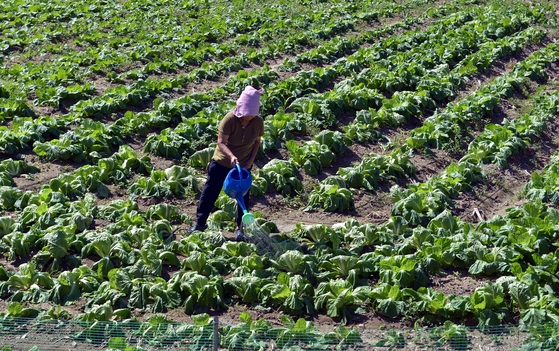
408	175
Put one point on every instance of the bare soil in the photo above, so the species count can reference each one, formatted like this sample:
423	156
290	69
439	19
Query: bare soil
457	282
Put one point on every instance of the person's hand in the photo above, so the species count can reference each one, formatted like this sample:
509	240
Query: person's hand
234	161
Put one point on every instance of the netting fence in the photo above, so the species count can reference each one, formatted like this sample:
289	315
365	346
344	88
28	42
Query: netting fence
45	335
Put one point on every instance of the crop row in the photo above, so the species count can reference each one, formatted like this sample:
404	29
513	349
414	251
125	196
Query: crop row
276	96
495	144
145	24
55	81
140	122
394	111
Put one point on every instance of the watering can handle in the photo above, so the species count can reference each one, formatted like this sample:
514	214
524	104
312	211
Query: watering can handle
240	175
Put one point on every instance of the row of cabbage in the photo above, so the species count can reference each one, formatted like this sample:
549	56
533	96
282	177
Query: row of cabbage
182	24
544	186
140	29
55	82
332	194
494	145
173	112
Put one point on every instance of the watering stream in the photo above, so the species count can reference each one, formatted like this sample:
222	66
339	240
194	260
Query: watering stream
259	237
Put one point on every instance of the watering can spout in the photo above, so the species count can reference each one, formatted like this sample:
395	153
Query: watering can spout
248	218
236	185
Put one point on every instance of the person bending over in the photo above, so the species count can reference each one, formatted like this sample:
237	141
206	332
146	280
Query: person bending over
237	142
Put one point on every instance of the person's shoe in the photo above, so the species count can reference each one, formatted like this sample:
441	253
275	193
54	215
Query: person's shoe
240	235
195	228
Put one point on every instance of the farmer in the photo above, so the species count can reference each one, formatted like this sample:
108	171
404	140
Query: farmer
237	142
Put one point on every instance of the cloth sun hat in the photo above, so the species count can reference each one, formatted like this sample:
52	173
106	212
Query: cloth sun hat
248	103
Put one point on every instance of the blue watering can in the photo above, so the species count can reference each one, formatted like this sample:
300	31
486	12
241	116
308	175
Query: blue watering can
236	185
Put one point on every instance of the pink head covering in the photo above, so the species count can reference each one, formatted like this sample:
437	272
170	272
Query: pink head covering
248	103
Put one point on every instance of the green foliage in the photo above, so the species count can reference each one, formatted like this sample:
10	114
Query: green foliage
282	175
294	294
331	198
28	276
202	158
543	186
339	298
312	156
177	181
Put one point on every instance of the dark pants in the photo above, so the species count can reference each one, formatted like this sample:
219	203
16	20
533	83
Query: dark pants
216	176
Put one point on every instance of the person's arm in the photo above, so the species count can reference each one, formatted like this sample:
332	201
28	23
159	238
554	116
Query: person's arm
253	153
222	145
